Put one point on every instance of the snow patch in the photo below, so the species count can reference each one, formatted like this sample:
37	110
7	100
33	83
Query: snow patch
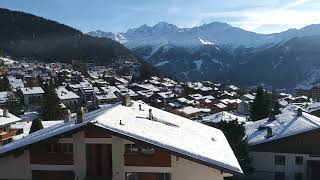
161	63
204	42
198	64
216	61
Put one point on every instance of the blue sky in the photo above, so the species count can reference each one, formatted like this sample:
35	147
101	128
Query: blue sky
263	16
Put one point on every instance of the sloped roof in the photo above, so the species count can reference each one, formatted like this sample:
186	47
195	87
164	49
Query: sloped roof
187	138
286	124
8	120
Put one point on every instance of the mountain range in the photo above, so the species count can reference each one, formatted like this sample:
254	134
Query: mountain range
223	53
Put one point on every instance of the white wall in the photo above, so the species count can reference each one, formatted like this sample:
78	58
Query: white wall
264	164
183	169
79	155
15	167
118	158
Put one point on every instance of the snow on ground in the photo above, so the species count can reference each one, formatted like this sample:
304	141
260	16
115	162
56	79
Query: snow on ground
161	63
216	61
7	61
275	65
198	64
312	78
204	42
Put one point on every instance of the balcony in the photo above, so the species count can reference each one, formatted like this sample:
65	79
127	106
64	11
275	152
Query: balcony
7	134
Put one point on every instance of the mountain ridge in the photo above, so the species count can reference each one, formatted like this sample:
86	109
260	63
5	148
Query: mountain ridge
222	53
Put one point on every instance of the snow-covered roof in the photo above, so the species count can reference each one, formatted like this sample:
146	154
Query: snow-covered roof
221	105
8	120
189	139
313	107
15	83
106	96
27	125
167	94
4	96
192	110
286	124
64	94
249	96
172	132
224	116
32	90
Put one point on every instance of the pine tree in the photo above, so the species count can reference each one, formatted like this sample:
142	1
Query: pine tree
4	83
276	108
14	107
52	102
35	126
260	107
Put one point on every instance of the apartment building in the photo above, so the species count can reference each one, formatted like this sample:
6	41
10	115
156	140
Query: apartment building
285	146
32	95
125	141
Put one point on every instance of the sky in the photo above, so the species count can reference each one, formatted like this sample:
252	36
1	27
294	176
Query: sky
262	16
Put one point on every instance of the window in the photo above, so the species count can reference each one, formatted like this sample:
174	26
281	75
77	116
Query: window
298	176
280	160
157	176
279	176
139	149
164	176
59	148
299	160
52	148
131	148
67	148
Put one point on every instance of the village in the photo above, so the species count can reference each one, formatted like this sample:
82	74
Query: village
282	145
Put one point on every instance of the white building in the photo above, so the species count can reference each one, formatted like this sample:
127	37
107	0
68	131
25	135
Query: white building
68	98
285	146
32	95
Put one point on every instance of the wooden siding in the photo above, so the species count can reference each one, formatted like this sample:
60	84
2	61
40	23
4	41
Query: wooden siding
159	159
303	143
95	132
39	155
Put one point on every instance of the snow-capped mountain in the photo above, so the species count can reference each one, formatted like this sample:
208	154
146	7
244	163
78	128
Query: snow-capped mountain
218	51
164	33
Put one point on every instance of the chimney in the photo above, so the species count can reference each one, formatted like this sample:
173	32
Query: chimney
140	107
126	101
80	115
272	115
68	116
299	112
150	114
269	132
6	113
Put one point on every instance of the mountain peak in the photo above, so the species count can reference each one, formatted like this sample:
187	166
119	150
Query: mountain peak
164	27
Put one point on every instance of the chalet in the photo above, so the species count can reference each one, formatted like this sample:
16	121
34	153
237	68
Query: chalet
68	98
105	96
32	95
285	146
128	141
191	112
6	132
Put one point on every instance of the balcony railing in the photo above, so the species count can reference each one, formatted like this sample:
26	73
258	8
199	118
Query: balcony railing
7	134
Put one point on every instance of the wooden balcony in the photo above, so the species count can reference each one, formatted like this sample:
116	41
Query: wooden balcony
7	134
